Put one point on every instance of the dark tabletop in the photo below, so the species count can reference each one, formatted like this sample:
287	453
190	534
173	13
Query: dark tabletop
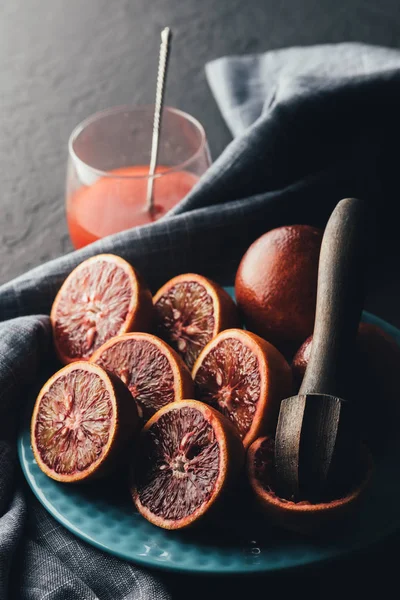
61	60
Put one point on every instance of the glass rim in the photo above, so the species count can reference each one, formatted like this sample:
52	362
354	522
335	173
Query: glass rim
131	107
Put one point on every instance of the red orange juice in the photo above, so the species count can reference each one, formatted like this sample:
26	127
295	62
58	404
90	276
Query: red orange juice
117	201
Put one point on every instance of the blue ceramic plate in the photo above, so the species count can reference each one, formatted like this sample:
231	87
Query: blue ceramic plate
103	515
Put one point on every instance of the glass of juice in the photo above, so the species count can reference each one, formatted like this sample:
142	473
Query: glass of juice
108	169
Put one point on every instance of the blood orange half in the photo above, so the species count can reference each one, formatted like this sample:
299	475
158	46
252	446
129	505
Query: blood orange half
153	372
103	297
245	378
82	420
188	455
190	311
303	517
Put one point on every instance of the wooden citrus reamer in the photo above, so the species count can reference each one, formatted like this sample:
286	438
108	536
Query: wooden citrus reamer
315	437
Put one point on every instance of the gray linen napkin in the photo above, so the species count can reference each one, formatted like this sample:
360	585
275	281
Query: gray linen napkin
312	125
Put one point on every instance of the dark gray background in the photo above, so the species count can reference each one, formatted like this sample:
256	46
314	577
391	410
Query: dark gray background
61	60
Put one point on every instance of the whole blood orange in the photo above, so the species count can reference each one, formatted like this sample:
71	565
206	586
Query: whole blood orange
102	297
375	375
188	455
245	378
190	311
153	372
276	285
379	364
302	517
83	418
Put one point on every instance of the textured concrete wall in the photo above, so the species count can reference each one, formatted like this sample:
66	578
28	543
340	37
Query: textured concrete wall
60	60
